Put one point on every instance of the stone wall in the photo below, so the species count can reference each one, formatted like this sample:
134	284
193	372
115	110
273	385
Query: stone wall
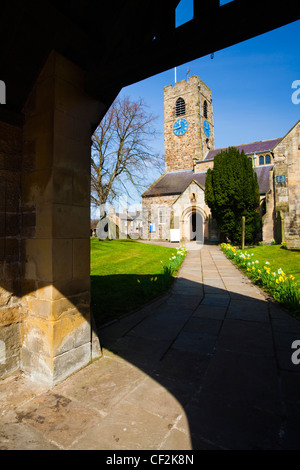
11	247
150	213
287	184
203	166
46	328
59	115
268	219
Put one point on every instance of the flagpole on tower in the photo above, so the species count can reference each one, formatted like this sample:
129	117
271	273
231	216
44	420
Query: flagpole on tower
175	75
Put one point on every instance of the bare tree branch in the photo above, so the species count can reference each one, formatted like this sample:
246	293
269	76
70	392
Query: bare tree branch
122	156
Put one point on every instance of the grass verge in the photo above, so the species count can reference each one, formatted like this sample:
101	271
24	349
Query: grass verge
273	268
126	274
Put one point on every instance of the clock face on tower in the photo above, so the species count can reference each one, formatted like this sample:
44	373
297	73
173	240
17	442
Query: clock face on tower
180	126
206	128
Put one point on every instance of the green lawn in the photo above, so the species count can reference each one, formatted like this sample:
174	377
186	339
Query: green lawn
287	260
125	274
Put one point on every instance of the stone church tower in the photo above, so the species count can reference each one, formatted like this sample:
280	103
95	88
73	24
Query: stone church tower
188	121
174	206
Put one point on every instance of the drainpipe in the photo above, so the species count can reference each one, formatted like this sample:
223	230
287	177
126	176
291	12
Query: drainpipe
254	159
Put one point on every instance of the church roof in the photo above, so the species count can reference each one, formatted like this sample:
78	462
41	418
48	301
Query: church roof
253	147
263	180
175	182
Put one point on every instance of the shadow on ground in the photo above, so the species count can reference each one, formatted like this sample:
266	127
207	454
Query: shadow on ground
226	359
114	296
207	366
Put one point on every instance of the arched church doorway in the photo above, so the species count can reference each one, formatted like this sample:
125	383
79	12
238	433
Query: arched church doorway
196	226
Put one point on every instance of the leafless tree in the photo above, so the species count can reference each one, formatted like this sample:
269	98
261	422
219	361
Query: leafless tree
122	156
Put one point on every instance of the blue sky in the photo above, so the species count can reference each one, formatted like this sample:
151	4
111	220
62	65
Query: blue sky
251	85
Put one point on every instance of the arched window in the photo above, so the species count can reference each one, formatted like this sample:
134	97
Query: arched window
162	215
268	159
205	109
180	107
261	160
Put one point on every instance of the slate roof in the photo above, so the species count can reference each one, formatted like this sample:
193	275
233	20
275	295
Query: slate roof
263	173
253	147
176	182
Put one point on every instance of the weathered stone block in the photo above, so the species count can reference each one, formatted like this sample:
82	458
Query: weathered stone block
81	188
81	258
54	215
71	221
37	187
71	361
62	256
62	186
9	348
39	260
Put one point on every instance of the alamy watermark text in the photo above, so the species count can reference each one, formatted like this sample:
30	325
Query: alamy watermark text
296	93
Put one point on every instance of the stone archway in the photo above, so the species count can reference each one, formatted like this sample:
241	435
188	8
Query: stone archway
193	225
196	226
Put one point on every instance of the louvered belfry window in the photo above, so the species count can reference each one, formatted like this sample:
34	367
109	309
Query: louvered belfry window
180	107
205	109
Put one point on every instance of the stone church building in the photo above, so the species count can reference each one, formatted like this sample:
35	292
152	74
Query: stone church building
174	206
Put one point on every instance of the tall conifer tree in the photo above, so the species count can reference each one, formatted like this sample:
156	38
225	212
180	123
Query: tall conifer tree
232	191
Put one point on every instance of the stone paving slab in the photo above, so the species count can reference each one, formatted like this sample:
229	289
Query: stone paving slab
207	366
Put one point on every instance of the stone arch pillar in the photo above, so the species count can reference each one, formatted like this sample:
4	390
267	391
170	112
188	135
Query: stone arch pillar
56	327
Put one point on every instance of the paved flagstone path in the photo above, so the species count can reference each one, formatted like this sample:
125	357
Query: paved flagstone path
208	366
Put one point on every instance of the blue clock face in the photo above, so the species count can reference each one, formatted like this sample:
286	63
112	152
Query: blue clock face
180	126
206	128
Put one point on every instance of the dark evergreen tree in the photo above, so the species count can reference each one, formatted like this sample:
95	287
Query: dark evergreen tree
232	191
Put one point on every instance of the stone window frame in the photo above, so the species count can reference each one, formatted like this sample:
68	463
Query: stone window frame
265	159
162	215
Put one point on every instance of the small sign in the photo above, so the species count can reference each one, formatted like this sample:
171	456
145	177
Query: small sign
281	179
